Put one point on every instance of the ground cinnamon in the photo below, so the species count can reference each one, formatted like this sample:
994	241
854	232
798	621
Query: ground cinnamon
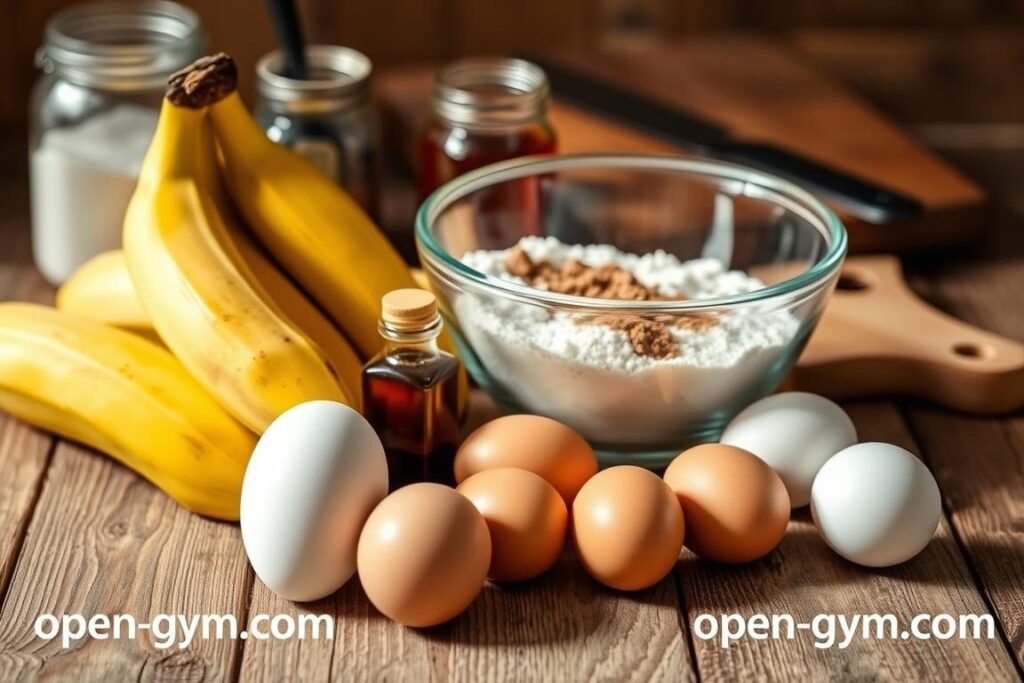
648	336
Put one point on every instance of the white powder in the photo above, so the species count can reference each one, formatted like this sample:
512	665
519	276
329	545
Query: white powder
589	376
82	177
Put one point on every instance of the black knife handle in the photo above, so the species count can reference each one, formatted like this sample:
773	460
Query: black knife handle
863	199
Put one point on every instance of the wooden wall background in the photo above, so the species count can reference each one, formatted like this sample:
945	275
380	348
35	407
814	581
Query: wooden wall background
400	31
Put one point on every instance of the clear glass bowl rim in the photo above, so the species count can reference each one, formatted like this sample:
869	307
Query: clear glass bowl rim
809	281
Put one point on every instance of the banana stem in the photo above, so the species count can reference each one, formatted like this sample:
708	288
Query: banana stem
203	82
213	82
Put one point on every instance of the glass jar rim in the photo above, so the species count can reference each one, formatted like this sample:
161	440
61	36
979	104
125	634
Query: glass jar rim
750	183
120	45
342	79
491	91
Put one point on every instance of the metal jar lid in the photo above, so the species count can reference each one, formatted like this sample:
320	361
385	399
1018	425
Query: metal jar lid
119	45
339	79
491	91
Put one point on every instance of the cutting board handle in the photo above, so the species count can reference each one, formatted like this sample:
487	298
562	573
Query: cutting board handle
877	337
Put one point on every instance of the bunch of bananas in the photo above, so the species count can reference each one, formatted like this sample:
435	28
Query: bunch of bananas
215	339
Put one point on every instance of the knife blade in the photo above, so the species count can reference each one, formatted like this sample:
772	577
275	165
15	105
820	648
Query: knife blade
860	197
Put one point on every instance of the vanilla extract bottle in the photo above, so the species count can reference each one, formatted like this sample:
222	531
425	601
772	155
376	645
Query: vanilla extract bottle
410	391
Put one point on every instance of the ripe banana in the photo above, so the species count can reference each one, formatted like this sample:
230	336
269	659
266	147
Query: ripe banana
126	396
102	290
307	223
310	226
199	292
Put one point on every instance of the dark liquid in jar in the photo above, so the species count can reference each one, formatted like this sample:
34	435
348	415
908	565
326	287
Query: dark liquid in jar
413	406
446	152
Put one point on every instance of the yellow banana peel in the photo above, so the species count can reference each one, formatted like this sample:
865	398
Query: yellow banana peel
125	396
200	294
101	289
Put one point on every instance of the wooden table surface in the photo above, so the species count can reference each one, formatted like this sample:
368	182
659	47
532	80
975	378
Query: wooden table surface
81	534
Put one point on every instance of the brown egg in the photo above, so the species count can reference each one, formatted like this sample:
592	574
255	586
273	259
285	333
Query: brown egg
529	442
627	528
526	517
736	506
423	554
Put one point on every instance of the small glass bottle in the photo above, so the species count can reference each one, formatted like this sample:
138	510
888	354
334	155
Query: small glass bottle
327	118
410	391
485	110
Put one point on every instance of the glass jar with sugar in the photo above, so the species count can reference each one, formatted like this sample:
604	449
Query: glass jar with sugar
92	116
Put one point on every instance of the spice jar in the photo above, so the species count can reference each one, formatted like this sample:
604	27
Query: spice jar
91	118
327	118
484	110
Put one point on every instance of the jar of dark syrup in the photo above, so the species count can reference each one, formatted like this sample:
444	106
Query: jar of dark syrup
485	110
411	390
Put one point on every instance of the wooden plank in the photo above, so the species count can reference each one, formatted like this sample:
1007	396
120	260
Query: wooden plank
388	31
506	27
24	455
104	541
911	74
978	462
803	577
366	645
560	627
984	502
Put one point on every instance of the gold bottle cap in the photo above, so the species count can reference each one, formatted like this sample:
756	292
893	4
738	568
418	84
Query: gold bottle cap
408	309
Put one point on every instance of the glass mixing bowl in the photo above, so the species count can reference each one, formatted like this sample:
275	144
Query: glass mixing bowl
528	347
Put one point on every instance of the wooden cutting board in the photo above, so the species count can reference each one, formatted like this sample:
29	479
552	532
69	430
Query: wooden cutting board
761	92
877	338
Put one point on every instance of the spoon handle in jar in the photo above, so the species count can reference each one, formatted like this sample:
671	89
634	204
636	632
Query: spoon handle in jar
285	17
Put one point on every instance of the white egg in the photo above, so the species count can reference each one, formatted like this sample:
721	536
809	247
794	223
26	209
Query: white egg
314	477
876	504
795	433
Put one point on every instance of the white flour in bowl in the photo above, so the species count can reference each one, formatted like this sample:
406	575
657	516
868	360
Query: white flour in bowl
590	376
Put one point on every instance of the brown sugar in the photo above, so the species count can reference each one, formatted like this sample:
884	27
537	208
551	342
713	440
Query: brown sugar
577	279
519	263
648	336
